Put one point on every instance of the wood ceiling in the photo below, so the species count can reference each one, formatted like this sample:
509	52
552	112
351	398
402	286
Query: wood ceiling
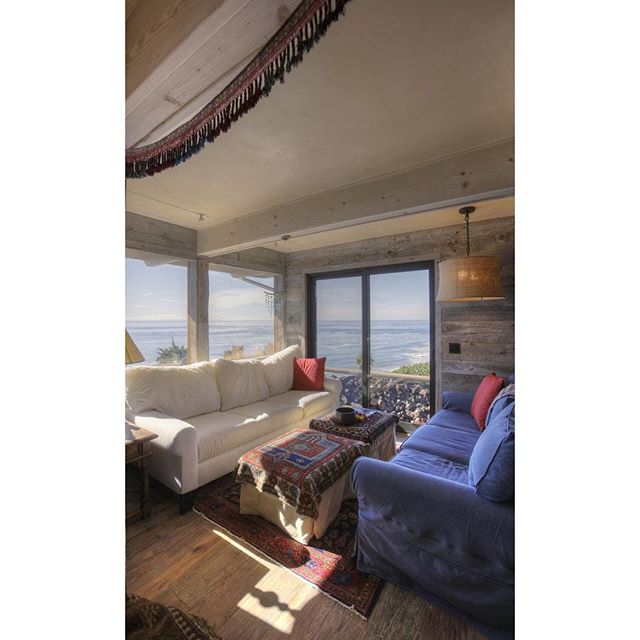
392	85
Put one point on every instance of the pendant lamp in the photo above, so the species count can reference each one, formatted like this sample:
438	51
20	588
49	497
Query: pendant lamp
472	278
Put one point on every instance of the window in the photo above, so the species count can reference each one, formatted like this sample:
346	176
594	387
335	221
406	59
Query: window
156	309
376	328
241	321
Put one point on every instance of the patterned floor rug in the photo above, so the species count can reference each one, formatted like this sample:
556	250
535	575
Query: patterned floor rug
148	620
327	563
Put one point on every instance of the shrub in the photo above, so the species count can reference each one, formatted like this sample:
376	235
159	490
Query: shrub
417	369
235	353
174	354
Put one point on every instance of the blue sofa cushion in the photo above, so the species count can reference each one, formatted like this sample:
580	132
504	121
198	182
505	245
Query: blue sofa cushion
504	398
450	442
433	465
457	401
454	420
492	463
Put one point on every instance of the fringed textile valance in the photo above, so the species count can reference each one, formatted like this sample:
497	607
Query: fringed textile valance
306	25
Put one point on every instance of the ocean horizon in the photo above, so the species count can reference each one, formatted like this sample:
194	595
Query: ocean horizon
394	343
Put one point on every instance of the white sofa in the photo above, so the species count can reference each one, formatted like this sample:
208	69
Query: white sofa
208	414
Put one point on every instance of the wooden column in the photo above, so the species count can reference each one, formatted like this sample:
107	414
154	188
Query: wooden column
198	307
278	313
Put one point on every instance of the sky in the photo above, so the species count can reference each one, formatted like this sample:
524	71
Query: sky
394	296
160	293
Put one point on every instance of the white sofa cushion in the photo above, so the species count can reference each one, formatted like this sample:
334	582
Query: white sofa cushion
313	403
178	391
278	369
240	382
222	431
279	415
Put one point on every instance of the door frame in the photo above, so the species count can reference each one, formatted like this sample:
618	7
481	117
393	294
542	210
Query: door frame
364	273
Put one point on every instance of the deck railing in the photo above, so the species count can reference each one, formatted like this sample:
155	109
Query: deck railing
399	393
380	374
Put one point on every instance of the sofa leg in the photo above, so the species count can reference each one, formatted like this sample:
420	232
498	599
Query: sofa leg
186	501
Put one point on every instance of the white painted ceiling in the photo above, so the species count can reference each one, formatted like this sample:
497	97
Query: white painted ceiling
391	85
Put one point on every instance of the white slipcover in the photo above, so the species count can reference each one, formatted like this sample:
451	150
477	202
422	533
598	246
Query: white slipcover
178	391
240	382
278	369
311	402
224	430
197	441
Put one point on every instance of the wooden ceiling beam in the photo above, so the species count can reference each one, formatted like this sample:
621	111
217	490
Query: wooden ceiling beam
473	176
181	53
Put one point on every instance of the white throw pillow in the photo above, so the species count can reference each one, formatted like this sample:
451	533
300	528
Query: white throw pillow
240	382
278	369
177	391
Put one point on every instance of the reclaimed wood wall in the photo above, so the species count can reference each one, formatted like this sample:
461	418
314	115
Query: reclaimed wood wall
485	330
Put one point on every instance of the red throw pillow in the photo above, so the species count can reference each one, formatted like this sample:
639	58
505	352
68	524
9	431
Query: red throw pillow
308	374
485	393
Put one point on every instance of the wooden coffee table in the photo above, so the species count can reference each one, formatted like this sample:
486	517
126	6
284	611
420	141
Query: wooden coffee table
137	449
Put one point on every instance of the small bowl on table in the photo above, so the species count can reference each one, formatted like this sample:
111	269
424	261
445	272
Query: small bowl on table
345	415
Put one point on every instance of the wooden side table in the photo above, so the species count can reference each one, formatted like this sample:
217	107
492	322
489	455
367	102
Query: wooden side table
137	449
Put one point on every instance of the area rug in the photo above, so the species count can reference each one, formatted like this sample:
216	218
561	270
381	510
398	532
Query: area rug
327	563
148	620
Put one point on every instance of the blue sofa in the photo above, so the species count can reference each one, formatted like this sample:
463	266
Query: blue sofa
425	526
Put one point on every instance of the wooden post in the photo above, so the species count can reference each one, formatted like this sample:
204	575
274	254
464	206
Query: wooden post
198	306
278	313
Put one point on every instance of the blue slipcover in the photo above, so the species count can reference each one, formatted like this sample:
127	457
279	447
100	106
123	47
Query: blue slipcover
449	443
457	401
492	463
424	528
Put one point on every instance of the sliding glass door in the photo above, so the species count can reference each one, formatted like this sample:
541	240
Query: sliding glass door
375	327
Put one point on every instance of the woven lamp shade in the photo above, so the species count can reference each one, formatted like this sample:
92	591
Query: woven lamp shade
131	352
470	279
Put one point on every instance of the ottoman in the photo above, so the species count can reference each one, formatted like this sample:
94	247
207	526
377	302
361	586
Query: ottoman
377	432
297	481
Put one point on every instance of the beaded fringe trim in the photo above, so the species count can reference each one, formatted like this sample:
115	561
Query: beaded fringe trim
306	25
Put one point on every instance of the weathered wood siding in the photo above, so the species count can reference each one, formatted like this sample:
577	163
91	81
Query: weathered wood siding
485	330
156	236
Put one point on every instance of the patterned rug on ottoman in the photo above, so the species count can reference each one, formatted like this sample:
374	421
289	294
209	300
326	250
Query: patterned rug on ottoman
327	563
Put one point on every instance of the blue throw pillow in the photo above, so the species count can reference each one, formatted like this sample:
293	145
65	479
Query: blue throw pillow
504	398
492	462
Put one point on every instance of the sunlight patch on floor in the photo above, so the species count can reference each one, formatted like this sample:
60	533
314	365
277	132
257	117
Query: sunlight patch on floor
286	621
276	600
245	549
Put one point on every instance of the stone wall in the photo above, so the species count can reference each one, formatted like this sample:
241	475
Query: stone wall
485	330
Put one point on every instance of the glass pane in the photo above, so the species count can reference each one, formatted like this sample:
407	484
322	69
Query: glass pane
240	316
156	311
399	344
339	332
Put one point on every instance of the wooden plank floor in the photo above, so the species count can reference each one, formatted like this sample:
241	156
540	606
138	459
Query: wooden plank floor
187	562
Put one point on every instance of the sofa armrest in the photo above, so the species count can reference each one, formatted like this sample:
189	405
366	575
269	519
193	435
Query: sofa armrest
457	401
176	440
448	515
333	385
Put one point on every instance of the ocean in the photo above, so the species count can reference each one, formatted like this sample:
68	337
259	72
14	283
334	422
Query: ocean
393	343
